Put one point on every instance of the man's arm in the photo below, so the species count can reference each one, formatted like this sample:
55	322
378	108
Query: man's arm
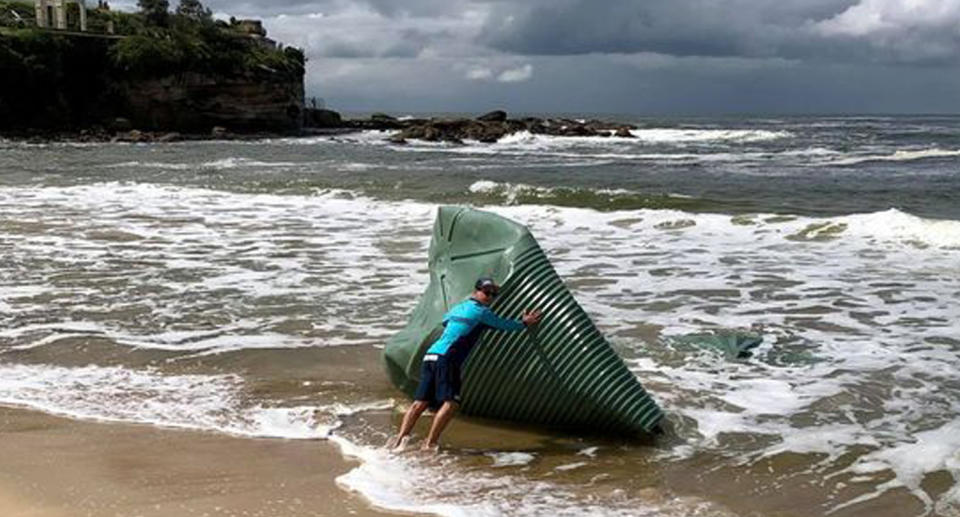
488	318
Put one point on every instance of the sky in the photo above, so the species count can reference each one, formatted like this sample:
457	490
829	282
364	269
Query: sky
644	57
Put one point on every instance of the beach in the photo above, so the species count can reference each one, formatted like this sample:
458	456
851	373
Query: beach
60	467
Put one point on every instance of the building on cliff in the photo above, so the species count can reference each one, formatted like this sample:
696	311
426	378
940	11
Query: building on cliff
254	30
52	14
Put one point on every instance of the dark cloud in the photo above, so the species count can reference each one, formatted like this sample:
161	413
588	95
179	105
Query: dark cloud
824	30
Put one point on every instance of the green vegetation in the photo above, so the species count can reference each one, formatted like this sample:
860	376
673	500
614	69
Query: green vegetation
71	75
192	9
156	12
203	46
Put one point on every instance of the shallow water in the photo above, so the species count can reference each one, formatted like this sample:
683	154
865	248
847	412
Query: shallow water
247	287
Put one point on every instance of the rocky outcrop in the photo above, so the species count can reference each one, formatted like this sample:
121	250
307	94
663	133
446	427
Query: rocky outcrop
321	118
488	128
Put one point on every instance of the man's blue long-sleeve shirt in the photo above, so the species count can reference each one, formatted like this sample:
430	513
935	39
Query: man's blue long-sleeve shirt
462	327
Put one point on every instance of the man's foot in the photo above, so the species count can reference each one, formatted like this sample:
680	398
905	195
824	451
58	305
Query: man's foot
430	448
398	444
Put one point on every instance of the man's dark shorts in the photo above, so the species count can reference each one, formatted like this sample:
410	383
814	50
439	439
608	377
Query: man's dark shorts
439	381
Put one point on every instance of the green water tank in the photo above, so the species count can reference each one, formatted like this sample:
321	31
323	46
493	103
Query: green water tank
561	373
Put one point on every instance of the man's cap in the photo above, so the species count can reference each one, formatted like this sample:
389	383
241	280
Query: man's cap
485	282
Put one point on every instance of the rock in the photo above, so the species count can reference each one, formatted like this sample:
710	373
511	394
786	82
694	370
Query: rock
121	124
490	133
431	134
488	128
168	137
218	132
412	132
134	136
313	117
493	116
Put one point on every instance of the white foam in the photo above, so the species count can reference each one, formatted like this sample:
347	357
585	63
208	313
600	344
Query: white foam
414	484
893	225
205	402
590	452
708	135
511	459
900	155
927	451
245	257
510	191
647	135
221	164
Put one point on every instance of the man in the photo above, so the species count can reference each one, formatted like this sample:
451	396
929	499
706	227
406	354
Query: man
440	370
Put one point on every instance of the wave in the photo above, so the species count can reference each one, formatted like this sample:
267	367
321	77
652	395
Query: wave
222	164
117	394
708	135
643	136
888	225
899	156
604	199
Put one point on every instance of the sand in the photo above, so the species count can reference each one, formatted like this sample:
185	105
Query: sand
57	467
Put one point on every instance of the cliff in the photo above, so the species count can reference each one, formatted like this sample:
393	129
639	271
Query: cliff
188	76
196	103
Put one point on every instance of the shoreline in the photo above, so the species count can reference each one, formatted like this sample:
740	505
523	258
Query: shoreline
59	467
96	136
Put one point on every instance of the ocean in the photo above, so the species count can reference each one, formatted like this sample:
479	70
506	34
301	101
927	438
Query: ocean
248	288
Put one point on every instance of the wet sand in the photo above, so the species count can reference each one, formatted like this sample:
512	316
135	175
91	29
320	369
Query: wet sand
57	467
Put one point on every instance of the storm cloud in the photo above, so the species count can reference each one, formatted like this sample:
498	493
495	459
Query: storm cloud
900	31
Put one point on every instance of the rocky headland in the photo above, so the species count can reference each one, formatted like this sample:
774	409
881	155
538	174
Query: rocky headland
148	76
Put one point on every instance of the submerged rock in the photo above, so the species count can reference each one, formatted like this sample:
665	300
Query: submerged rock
493	116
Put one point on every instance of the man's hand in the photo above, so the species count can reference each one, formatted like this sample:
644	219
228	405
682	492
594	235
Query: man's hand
531	317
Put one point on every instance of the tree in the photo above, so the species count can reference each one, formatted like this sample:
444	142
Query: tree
194	10
155	11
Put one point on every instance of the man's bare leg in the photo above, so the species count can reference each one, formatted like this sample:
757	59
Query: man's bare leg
409	420
440	422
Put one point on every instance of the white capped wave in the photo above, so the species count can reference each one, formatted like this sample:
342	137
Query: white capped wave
510	192
708	135
221	164
895	226
641	136
900	155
